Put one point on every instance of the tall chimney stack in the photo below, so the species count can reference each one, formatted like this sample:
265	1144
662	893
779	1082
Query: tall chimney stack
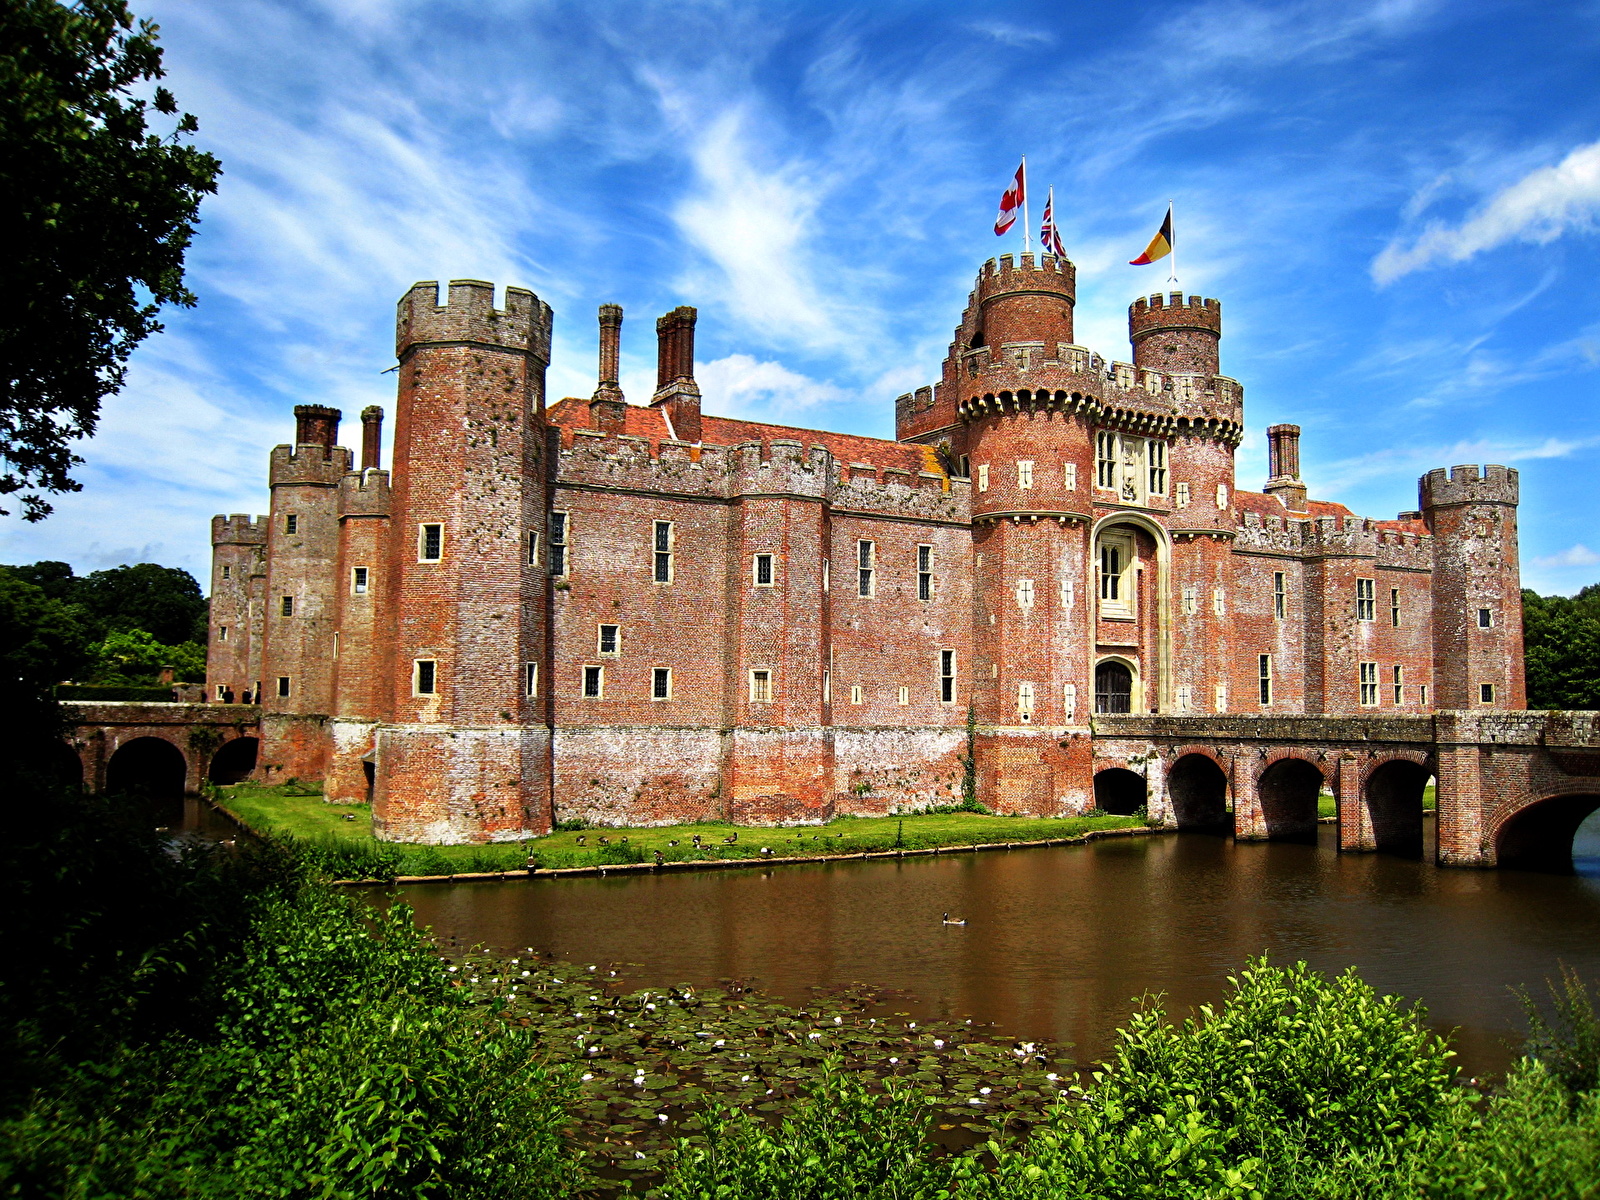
1283	467
677	394
371	438
316	425
608	410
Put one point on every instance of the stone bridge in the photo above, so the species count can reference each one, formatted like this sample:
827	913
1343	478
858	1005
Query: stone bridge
1512	787
169	748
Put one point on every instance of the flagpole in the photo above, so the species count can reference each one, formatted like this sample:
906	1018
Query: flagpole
1172	267
1024	203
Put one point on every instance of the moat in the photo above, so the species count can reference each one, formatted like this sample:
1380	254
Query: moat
1060	940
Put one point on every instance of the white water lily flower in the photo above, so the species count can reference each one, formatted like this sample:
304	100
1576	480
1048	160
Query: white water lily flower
591	968
587	1077
525	974
1052	1077
744	1079
912	1025
455	968
814	1036
974	1100
894	1060
984	1091
638	1153
719	1042
650	1007
938	1043
838	1020
661	1116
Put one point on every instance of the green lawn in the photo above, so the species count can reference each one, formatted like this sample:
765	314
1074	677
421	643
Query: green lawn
350	842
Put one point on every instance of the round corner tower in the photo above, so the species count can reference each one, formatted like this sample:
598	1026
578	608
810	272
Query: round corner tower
1176	336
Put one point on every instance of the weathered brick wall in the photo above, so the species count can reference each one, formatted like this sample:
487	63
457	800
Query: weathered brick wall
363	667
237	547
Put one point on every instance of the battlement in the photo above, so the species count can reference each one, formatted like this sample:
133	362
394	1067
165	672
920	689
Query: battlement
1035	273
308	464
238	529
468	317
1171	312
1467	485
364	493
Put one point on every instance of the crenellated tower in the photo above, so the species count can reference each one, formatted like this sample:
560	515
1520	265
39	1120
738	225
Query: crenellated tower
238	573
1176	336
467	755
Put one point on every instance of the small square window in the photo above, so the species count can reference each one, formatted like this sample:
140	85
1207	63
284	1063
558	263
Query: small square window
1219	604
291	523
1485	619
222	633
1422	695
1222	495
227	572
1183	495
983	477
1070	479
760	687
965	467
1024	474
430	542
424	677
661	683
530	679
610	637
855	694
283	687
222	691
358	580
286	606
1486	693
594	680
533	547
762	570
903	696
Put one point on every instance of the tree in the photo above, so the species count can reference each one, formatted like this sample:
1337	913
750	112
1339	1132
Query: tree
42	641
164	601
1561	649
98	212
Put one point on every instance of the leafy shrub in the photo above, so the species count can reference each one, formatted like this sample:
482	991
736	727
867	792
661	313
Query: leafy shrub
1569	1045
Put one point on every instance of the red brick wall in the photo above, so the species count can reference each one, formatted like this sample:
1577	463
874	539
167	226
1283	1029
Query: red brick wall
238	545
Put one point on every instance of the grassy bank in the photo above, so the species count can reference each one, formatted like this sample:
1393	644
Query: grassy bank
351	847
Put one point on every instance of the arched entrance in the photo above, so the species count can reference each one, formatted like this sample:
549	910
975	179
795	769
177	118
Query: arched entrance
1288	790
234	760
148	765
1394	805
1539	837
1199	791
1120	791
1113	687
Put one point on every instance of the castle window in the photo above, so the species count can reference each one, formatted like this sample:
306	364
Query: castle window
1485	619
983	477
1191	600
1280	594
283	687
855	694
530	679
760	687
286	607
663	551
222	692
222	633
291	523
1024	594
1394	607
966	467
533	547
1113	688
947	676
1183	495
1185	697
1422	695
1399	686
1218	601
1068	593
1105	460
827	575
609	639
924	572
594	683
1264	678
560	527
358	581
866	559
1486	693
903	696
1024	474
1219	698
430	543
661	683
761	570
1025	701
1156	455
1369	684
1116	576
1071	477
335	645
1222	495
227	572
423	676
827	684
1069	701
1366	601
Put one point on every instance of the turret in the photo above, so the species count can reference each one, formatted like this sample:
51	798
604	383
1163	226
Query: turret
1028	303
1477	589
676	391
1178	337
1283	467
233	650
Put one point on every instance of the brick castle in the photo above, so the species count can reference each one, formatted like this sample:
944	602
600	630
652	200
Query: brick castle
646	613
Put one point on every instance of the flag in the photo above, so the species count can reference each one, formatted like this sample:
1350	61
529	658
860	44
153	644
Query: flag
1012	201
1049	239
1160	246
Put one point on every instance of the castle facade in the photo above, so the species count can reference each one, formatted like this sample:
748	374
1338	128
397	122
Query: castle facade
648	613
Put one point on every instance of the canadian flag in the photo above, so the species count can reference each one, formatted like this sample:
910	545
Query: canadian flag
1011	202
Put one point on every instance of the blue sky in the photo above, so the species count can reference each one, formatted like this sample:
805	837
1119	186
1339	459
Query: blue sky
1398	202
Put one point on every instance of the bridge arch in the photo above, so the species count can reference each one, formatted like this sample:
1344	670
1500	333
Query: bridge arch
234	760
1538	836
1392	790
1198	787
1287	788
149	764
1120	791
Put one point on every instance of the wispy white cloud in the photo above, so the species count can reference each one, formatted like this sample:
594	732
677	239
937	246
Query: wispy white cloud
1335	478
1573	556
741	386
1008	34
1538	208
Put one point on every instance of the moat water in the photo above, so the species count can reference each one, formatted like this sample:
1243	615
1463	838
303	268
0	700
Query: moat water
1060	941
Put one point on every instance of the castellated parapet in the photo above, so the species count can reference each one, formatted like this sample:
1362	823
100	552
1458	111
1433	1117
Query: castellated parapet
238	529
468	317
309	465
1176	335
1467	485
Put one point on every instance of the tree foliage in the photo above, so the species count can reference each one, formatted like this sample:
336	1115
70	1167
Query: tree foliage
1561	638
98	212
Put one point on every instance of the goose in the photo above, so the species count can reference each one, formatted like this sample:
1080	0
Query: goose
582	839
732	837
949	920
604	841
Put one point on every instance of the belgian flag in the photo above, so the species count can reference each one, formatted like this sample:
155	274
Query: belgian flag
1160	246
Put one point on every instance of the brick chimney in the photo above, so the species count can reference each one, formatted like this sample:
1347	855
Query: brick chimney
371	438
608	411
316	425
1283	467
677	394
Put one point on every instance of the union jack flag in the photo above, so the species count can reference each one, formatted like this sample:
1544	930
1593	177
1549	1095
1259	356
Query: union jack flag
1049	238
